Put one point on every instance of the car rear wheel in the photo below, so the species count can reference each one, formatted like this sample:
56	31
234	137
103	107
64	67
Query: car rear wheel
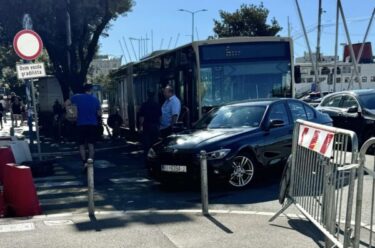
243	171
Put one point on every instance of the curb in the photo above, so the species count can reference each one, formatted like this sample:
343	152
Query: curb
150	212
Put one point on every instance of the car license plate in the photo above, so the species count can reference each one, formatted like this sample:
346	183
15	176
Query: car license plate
174	168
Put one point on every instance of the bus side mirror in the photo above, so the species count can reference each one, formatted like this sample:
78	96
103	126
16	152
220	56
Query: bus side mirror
297	74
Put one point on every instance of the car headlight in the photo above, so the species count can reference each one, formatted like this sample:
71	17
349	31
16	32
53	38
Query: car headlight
219	154
151	153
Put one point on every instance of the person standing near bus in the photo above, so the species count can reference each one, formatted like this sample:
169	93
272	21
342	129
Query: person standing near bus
4	103
170	111
88	110
16	111
2	111
149	120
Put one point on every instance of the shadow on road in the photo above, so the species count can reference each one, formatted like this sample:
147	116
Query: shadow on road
124	220
305	228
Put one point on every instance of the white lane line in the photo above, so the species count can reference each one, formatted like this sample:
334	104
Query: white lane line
129	180
161	212
58	222
17	227
58	184
65	153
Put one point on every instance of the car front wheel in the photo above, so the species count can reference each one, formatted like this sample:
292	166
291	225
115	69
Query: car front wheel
243	171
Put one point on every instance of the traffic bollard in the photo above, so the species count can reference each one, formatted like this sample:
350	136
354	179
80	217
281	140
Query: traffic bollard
90	183
204	182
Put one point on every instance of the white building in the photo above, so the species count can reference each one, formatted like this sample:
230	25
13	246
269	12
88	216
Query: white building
344	75
306	58
103	65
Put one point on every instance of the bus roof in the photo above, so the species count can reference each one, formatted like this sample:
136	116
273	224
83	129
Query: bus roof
206	42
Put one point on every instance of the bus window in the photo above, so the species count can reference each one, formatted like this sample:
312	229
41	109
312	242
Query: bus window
236	72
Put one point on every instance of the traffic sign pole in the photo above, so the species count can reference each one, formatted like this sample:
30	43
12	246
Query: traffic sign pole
28	45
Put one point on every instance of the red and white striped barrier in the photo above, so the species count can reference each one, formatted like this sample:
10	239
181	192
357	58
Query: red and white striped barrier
317	140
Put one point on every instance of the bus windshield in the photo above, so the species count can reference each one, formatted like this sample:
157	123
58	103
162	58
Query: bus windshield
244	72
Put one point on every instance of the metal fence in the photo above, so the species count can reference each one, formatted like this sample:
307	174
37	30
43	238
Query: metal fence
322	179
364	224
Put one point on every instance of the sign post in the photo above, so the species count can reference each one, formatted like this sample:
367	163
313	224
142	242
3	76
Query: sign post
28	45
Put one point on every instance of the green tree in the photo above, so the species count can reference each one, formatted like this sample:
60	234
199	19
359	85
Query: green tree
90	19
249	20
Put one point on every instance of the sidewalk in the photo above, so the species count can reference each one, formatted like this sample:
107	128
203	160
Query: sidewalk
159	229
51	148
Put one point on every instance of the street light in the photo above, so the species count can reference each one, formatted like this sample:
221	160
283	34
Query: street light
192	19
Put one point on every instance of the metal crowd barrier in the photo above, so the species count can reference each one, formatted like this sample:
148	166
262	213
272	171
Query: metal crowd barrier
364	224
322	179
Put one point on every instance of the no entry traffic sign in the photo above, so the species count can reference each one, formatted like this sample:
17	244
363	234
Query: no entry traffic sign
28	44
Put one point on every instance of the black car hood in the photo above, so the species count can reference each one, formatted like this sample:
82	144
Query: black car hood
197	138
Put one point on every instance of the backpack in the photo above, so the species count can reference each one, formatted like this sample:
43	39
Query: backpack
71	113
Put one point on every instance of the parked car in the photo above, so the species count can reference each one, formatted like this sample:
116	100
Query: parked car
239	140
353	110
314	98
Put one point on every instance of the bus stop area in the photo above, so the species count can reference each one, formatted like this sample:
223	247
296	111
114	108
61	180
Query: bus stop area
128	204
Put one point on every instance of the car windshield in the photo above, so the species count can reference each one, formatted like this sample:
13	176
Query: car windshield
232	117
368	101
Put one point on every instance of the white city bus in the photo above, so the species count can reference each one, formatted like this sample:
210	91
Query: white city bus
206	74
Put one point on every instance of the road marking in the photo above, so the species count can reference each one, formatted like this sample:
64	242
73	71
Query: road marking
129	180
17	227
58	222
103	164
54	154
58	184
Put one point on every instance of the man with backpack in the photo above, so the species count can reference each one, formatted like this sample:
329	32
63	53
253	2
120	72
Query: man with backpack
87	111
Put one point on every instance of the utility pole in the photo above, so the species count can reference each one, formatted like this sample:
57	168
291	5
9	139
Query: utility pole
320	10
289	29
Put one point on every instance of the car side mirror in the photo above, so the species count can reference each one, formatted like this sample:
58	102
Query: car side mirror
352	110
276	123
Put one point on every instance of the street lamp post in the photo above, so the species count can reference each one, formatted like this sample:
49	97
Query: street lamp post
192	19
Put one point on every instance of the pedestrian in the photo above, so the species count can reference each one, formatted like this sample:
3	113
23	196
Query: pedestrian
58	113
115	121
5	103
170	111
149	120
2	111
16	111
88	110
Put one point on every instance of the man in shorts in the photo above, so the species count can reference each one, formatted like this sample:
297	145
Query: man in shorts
88	110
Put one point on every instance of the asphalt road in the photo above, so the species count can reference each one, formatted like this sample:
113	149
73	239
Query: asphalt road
122	183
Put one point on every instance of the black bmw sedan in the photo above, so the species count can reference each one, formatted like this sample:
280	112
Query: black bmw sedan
239	140
353	110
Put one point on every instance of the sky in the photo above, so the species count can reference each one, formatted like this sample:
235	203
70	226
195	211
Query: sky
169	27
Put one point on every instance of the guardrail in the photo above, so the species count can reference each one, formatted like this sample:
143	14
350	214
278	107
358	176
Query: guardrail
322	179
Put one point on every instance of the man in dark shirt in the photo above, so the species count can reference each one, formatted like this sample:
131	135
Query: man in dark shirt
149	119
88	109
